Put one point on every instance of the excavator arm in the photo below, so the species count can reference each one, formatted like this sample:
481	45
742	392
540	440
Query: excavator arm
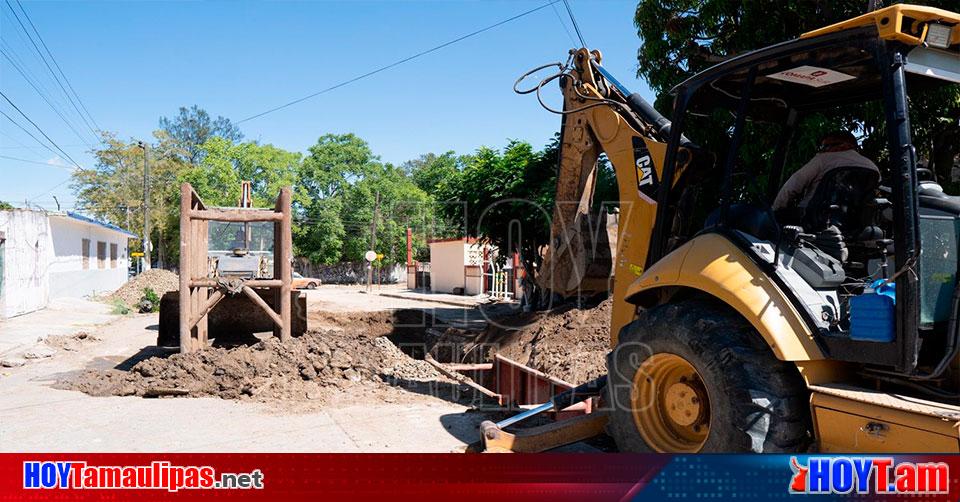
589	254
587	250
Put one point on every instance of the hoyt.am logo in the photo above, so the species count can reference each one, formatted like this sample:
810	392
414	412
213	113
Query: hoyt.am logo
877	475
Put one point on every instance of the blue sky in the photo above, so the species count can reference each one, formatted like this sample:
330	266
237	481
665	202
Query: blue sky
132	62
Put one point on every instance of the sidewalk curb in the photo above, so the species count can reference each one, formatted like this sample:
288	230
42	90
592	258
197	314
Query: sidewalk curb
431	300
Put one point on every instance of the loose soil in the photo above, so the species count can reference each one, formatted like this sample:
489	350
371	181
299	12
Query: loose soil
70	343
567	343
156	279
365	354
570	344
343	353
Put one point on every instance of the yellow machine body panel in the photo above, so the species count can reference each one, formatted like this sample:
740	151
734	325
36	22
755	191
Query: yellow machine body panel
859	420
891	26
714	265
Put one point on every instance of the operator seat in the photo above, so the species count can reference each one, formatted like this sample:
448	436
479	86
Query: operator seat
842	211
841	199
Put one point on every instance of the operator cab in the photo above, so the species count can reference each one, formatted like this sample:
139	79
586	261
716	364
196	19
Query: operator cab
861	233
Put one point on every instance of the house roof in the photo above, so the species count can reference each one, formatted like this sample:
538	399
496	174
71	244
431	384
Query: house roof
91	221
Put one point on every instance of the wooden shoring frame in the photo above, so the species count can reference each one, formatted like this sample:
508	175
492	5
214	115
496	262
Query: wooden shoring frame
199	294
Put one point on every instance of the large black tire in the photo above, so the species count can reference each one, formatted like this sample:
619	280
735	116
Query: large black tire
757	403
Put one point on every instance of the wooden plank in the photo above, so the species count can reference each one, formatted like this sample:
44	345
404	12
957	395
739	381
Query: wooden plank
263	304
195	201
459	378
207	307
203	293
285	256
186	199
194	292
253	283
236	215
469	367
543	437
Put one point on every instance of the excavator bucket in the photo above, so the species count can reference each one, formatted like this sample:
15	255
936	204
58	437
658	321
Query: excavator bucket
579	259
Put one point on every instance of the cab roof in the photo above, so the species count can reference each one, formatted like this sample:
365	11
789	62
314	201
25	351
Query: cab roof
824	68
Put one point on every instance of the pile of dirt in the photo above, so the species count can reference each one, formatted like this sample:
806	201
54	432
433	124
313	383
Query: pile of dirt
312	367
158	280
567	343
70	343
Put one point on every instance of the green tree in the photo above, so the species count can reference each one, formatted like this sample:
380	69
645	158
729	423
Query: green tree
335	161
327	171
193	126
225	164
402	204
342	180
319	233
683	37
506	198
217	180
5	206
430	171
112	190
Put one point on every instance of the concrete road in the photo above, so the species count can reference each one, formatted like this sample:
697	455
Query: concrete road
63	316
36	417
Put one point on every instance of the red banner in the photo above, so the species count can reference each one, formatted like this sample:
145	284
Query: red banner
291	477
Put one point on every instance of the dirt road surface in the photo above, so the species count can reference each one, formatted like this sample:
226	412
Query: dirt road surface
34	416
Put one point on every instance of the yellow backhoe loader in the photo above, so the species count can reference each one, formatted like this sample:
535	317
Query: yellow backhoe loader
738	329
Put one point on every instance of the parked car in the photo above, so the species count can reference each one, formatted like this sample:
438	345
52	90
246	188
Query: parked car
301	282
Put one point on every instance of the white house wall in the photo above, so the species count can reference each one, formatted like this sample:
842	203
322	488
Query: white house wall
446	266
27	251
68	278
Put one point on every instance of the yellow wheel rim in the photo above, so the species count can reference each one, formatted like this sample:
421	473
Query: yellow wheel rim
670	404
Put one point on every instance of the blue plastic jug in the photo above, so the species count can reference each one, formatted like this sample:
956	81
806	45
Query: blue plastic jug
872	314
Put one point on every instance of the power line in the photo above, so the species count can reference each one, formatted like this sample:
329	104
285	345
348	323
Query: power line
58	66
24	129
17	141
42	95
34	162
52	142
573	19
26	68
7	147
54	187
399	62
47	64
559	18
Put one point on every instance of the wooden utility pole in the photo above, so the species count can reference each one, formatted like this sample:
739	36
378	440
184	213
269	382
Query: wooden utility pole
146	207
373	240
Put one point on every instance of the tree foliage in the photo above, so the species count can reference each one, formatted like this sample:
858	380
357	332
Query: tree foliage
193	126
342	179
505	197
683	37
431	171
335	161
225	164
112	190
